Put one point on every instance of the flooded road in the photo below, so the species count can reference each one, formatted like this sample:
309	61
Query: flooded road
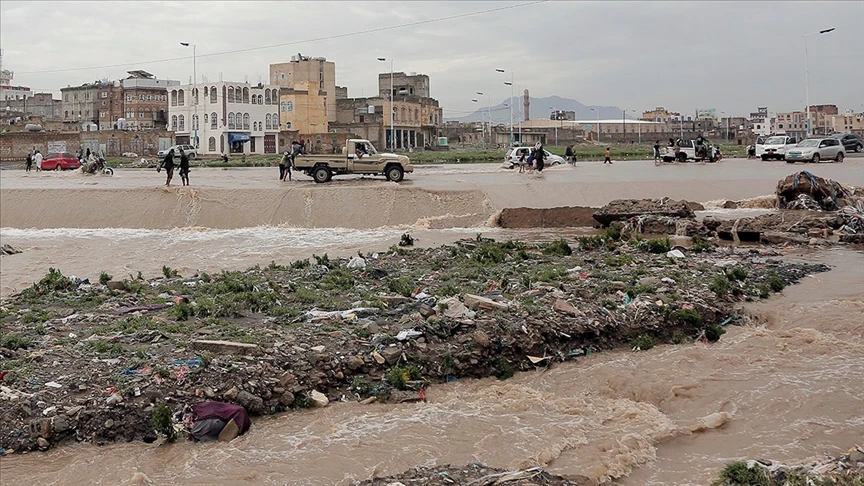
790	389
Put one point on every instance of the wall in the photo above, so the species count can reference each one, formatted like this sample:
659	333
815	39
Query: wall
16	146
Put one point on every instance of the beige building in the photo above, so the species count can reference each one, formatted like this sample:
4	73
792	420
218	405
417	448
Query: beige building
849	122
660	114
303	107
311	74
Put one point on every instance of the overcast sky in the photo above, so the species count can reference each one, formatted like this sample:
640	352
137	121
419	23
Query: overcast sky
732	56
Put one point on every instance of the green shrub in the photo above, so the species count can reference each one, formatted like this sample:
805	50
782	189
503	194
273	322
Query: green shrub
360	386
764	291
489	253
720	285
300	264
776	283
678	337
323	261
100	346
643	342
503	368
738	273
700	244
104	278
449	290
181	311
618	260
161	419
558	247
14	341
659	245
52	281
713	332
614	231
401	286
169	272
398	376
739	474
689	316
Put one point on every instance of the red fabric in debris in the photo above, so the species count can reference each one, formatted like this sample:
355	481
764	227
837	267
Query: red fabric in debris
224	411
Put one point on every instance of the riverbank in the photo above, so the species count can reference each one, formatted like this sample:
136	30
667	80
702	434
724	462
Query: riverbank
89	362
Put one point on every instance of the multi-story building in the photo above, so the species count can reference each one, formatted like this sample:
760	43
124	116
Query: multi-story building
821	118
8	92
760	121
562	115
410	84
145	101
660	114
227	117
793	124
40	104
303	107
80	104
849	122
315	75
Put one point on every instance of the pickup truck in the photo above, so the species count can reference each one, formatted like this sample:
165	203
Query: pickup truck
687	151
775	147
358	157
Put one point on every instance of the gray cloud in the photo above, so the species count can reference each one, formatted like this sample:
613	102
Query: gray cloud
731	56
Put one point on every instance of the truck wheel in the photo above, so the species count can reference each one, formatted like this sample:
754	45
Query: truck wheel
394	173
764	158
682	157
321	174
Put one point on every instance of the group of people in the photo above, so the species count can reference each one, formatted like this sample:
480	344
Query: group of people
286	164
34	157
534	161
168	165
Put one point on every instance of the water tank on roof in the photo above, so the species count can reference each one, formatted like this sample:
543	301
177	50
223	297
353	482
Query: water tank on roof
33	127
319	59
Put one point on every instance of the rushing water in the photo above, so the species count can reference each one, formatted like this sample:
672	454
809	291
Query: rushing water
787	389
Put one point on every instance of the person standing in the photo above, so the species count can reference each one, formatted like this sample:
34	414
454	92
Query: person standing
657	151
608	158
29	162
570	155
168	165
184	168
539	156
37	159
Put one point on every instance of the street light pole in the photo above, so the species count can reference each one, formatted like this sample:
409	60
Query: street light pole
807	76
598	122
638	124
392	128
556	126
194	82
511	107
488	115
484	130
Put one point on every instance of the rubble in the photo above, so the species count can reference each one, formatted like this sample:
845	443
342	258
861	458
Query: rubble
224	347
625	209
803	190
476	474
844	469
8	250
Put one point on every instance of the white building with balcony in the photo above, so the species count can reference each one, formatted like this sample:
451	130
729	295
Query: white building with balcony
230	118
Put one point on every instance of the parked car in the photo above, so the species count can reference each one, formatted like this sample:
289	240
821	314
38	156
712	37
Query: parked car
60	161
511	160
816	150
191	151
851	142
775	147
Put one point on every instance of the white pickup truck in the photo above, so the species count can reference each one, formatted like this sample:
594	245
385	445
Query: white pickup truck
775	147
358	157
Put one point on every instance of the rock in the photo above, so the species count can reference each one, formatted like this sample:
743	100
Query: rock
355	363
455	309
617	285
560	217
624	209
357	262
682	241
391	354
668	280
109	423
252	403
59	424
675	254
286	379
650	281
481	338
46	428
317	349
42	443
115	285
476	302
231	394
225	347
427	311
730	205
73	411
114	399
780	238
8	250
856	455
565	307
378	358
855	239
286	399
695	206
319	400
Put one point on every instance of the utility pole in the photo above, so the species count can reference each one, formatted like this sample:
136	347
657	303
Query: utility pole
392	107
511	108
807	76
193	91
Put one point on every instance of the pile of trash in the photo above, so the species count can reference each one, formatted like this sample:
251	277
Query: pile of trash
844	469
803	190
475	474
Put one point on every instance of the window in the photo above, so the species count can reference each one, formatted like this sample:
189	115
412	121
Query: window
194	96
104	94
141	114
231	120
66	114
289	106
173	97
254	99
267	97
180	97
214	121
194	122
211	144
230	94
149	97
402	115
142	97
75	96
260	99
268	120
104	103
246	95
181	120
174	123
205	119
246	121
282	75
213	94
101	114
128	97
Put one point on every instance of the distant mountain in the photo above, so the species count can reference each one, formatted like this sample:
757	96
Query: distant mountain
540	109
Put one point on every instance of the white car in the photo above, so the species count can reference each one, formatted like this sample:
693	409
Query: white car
191	151
816	150
511	160
775	147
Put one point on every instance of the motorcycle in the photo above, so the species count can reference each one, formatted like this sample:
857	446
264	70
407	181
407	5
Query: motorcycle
97	167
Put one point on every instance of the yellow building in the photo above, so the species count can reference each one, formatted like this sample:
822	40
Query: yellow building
659	114
303	108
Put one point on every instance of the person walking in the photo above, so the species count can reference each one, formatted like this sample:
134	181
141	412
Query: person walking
657	158
184	168
168	165
570	155
37	159
539	156
608	158
29	162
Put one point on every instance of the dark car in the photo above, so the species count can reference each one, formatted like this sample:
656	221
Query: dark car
850	141
60	161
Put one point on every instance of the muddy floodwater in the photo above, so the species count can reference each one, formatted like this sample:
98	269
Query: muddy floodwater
786	387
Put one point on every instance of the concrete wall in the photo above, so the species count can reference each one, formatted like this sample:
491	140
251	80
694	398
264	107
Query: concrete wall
16	146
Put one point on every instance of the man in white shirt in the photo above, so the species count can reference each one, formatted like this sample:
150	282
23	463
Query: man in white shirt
38	159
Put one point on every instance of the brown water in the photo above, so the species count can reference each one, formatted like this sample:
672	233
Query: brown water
788	390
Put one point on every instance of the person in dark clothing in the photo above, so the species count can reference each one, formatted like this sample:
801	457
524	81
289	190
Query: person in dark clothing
168	165
539	155
184	168
657	151
570	155
29	162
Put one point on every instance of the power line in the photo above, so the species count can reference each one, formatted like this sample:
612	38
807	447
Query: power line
329	37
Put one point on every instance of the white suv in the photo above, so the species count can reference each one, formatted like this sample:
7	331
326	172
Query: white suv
816	150
190	151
